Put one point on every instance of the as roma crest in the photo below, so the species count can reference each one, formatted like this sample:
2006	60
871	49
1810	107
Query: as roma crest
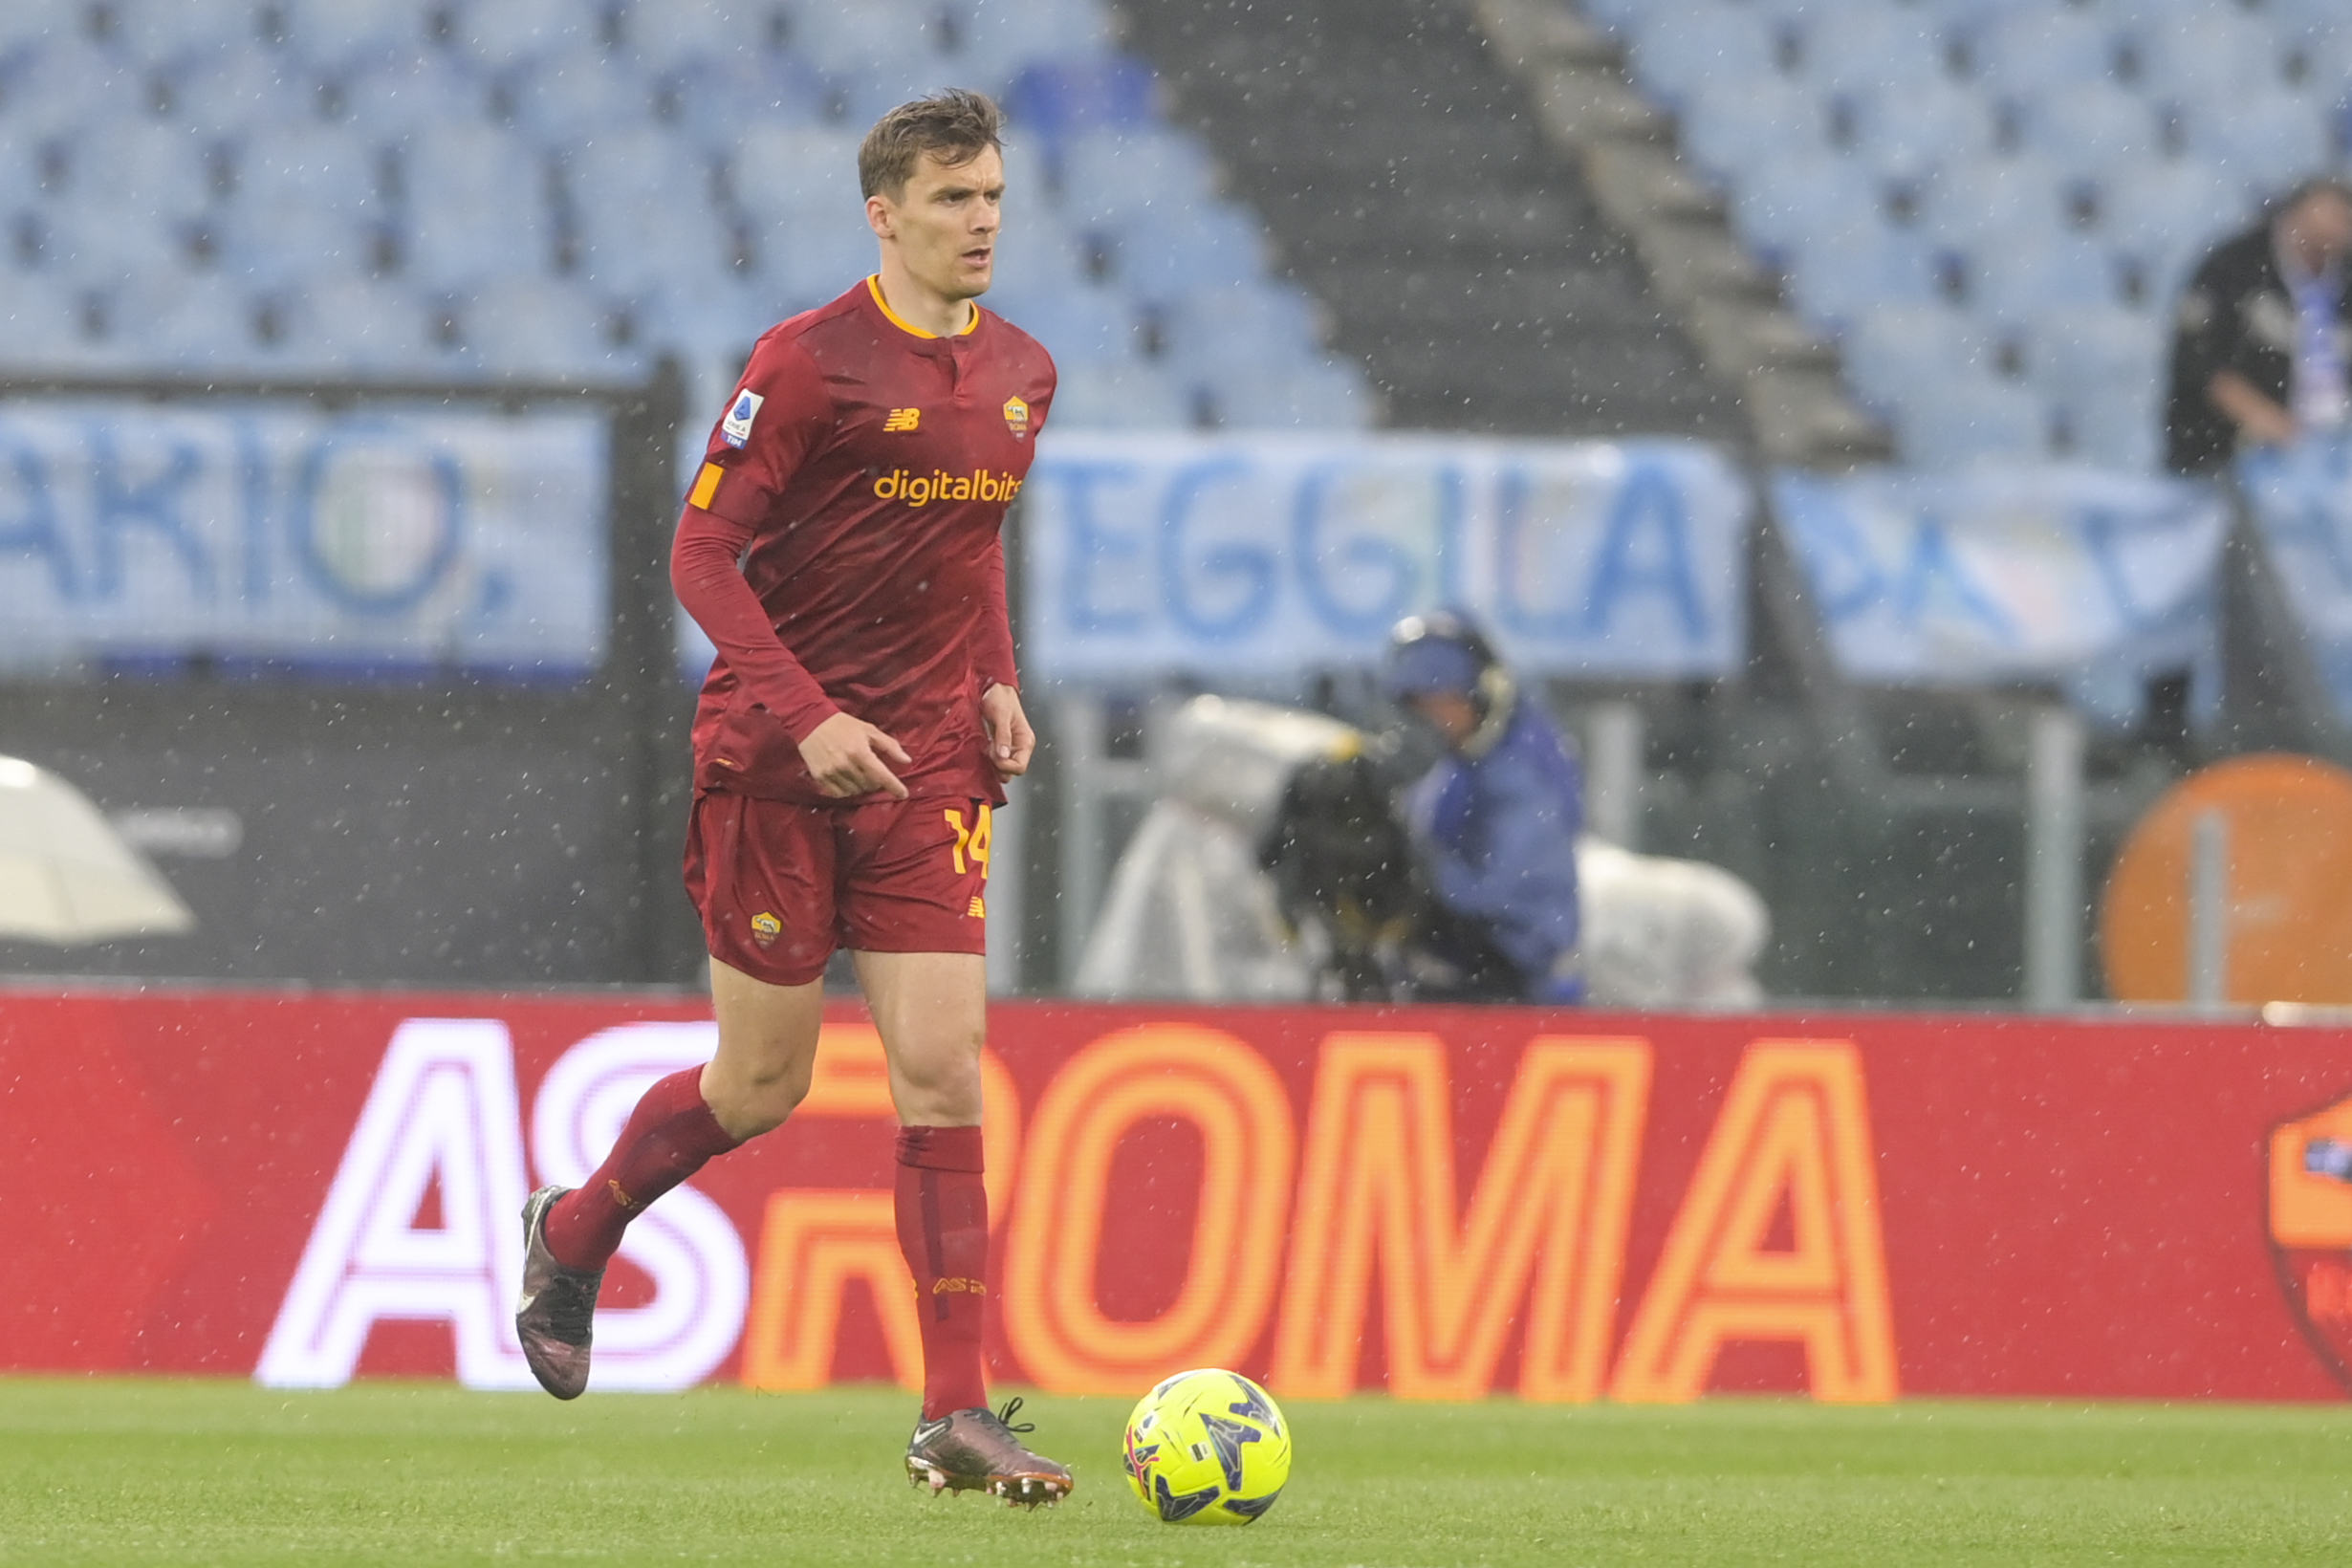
1016	417
2311	1228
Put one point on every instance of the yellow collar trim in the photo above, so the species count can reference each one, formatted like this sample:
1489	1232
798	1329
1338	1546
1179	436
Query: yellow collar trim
873	286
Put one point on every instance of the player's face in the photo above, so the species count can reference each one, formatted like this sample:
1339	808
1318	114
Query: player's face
945	222
1451	714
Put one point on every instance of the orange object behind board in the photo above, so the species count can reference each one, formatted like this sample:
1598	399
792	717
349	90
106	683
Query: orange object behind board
2289	903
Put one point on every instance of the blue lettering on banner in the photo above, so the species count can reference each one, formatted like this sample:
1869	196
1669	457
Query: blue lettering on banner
2301	501
2063	575
35	527
1247	571
247	532
1275	553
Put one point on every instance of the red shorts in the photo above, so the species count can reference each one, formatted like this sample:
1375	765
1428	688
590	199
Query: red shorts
780	885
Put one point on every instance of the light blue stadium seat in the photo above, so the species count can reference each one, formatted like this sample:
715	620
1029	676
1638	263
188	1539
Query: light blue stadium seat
230	94
1855	47
2074	352
1119	395
1037	253
498	34
1681	52
164	32
1909	131
91	239
794	174
638	249
1835	274
720	100
578	93
1785	206
2091	126
2061	48
1109	178
143	165
34	22
398	97
2014	281
2117	427
307	201
993	39
1062	98
206	321
2208	52
1890	351
1214	336
41	322
62	84
2158	205
539	327
1987	201
1733	128
2267	141
857	38
1212	245
476	207
1083	323
338	34
1312	396
666	35
1963	420
810	262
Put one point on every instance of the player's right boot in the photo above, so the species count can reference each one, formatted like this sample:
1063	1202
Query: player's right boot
977	1450
557	1314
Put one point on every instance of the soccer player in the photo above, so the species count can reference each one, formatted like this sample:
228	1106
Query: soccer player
840	544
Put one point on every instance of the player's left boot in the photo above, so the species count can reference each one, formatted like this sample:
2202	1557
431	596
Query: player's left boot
980	1450
556	1314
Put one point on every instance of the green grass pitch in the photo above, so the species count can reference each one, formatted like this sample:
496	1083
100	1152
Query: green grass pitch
150	1472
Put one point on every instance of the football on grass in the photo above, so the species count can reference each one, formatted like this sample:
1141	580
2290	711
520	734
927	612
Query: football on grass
1207	1447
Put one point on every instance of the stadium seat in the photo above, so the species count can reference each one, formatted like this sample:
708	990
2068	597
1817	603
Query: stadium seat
1119	395
1059	98
791	174
2077	352
1214	245
672	35
2025	51
1868	47
1110	177
2013	280
475	205
1785	205
2266	141
206	321
2091	126
1961	420
990	40
397	98
1080	325
577	93
1991	200
540	327
2208	52
2158	205
1910	131
339	34
2116	426
41	324
499	34
719	100
1681	54
870	37
27	23
1838	273
1890	350
62	83
1215	334
1312	396
1728	130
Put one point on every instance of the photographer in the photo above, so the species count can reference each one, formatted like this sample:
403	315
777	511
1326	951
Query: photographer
1494	820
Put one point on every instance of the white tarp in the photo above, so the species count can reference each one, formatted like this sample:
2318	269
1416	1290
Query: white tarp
2040	573
2301	499
129	531
1258	556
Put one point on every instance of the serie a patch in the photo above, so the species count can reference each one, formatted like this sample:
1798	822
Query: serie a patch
736	428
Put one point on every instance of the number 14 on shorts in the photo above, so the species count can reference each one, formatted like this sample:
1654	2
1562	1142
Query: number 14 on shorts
972	843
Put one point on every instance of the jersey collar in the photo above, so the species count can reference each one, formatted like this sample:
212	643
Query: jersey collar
873	287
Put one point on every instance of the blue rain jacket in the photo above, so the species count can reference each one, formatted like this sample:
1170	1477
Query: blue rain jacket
1498	834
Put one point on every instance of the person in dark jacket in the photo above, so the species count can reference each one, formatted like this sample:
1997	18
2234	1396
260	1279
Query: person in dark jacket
2264	334
1495	819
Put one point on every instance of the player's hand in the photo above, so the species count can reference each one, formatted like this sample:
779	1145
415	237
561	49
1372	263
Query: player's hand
845	755
1011	740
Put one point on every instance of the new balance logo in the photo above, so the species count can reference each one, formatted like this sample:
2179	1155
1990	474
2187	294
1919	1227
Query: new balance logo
902	419
978	909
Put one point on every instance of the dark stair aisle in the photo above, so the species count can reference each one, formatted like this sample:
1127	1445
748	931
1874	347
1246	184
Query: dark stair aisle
1407	187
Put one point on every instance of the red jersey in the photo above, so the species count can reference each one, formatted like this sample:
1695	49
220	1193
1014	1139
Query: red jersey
860	476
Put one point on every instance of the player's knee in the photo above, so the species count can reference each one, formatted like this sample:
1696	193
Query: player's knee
760	1100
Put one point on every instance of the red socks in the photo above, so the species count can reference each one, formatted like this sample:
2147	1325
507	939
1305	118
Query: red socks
943	1213
669	1137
